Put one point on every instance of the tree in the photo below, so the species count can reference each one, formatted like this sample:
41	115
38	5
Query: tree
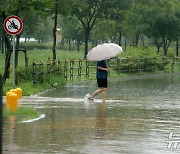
116	11
177	34
60	7
31	25
2	32
72	31
104	31
55	28
87	12
158	20
133	25
43	30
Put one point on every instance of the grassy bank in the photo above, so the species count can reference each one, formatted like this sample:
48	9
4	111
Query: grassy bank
23	113
27	85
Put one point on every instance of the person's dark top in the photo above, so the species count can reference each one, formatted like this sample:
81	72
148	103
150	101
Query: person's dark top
101	73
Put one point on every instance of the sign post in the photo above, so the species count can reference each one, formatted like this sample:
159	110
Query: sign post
13	25
14	63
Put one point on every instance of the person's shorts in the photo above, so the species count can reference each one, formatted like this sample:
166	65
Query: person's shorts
102	82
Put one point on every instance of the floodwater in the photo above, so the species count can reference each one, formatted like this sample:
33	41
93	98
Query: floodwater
137	118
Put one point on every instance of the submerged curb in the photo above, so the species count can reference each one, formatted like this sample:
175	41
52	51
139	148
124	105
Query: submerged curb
32	120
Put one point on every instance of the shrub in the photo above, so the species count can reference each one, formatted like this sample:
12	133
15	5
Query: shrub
39	73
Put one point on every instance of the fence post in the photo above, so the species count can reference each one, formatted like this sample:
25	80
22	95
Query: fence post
128	64
37	72
54	65
146	62
59	65
34	70
138	64
163	62
118	66
87	69
79	68
172	64
48	70
65	69
71	69
41	72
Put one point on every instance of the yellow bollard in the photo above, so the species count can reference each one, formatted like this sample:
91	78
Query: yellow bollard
14	91
7	100
19	93
13	102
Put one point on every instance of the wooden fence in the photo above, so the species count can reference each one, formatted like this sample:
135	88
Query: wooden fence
77	68
42	71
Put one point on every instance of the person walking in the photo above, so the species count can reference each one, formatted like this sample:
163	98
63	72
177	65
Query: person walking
101	76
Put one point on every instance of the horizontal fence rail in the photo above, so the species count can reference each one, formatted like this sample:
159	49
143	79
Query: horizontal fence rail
71	69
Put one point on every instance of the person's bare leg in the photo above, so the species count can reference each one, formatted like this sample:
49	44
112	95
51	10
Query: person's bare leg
97	92
104	105
104	94
100	90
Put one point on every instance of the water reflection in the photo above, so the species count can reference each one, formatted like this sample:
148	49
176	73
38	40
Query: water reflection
10	131
101	120
139	123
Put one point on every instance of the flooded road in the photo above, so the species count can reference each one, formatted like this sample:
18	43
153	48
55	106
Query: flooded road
137	119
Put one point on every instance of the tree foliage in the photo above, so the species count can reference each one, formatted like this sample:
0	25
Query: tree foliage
87	12
100	20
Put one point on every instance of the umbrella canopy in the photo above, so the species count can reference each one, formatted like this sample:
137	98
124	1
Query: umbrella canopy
104	52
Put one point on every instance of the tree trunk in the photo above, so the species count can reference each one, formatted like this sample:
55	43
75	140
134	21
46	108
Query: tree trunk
8	55
158	45
16	53
120	38
125	44
78	45
69	42
25	40
136	40
3	34
177	47
2	41
143	42
165	46
86	41
54	30
7	61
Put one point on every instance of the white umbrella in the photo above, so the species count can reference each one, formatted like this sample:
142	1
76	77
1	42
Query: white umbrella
104	52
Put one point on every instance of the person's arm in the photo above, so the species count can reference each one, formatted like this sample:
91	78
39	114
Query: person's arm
103	69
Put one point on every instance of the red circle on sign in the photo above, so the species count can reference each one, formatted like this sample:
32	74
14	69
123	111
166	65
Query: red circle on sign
10	25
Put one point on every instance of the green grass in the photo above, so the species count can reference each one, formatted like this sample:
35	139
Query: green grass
42	55
23	113
38	55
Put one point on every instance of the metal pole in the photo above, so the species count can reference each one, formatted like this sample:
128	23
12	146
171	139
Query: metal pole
14	75
1	114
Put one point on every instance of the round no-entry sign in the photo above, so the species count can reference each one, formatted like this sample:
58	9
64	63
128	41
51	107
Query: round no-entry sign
13	25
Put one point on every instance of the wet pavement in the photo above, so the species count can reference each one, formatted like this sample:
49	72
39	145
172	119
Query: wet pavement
137	118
